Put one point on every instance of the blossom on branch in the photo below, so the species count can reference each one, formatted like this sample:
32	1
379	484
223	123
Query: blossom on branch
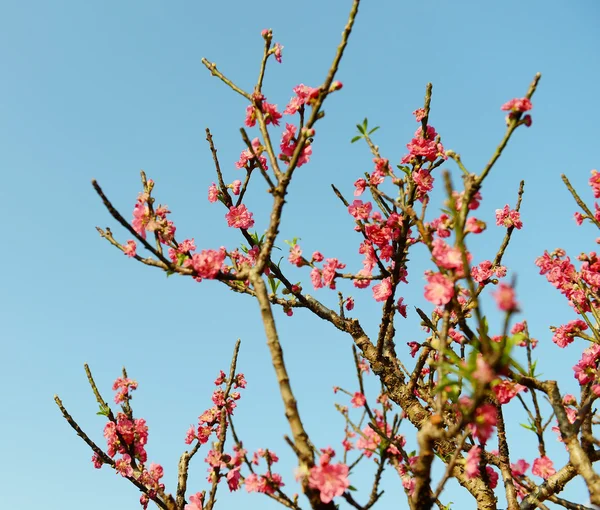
331	480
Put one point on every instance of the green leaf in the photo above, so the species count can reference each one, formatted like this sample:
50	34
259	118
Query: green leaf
405	169
104	411
533	367
360	129
352	488
272	285
528	427
484	325
355	139
518	366
373	130
365	124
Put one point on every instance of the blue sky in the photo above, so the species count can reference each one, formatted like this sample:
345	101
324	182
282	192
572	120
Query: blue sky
104	89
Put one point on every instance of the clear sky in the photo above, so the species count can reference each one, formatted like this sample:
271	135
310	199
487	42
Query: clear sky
104	89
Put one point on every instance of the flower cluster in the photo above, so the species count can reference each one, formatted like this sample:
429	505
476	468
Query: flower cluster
425	145
561	273
268	110
269	482
325	277
126	439
146	218
215	421
331	480
506	217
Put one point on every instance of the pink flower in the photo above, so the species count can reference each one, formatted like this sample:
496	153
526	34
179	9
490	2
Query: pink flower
572	413
317	256
207	263
448	257
304	95
383	291
233	479
459	197
97	461
585	369
289	144
472	462
190	435
349	303
419	114
265	484
123	386
358	400
236	187
329	272
247	157
295	256
594	182
483	372
414	348
196	502
141	218
427	148
240	381
517	105
482	272
519	468
250	119
508	218
424	182
360	281
129	249
519	327
543	467
506	390
186	245
565	334
363	365
505	298
277	52
486	417
123	466
315	278
368	441
213	193
439	289
492	476
401	307
239	217
330	480
360	210
360	186
272	116
456	336
475	226
441	225
379	235
409	485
